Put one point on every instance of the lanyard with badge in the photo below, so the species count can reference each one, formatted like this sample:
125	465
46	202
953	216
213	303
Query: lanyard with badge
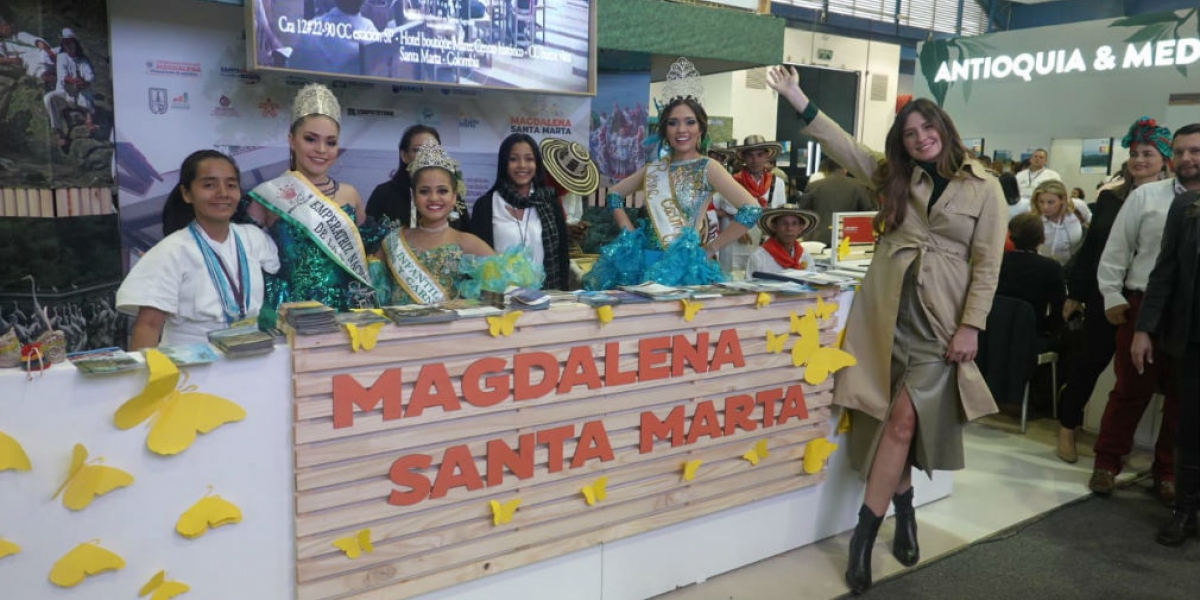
234	292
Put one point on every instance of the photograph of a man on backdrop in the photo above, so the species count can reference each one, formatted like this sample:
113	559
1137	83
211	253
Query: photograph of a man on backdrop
55	94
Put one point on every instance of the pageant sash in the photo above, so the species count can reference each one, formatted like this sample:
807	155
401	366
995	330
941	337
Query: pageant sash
407	271
666	213
291	197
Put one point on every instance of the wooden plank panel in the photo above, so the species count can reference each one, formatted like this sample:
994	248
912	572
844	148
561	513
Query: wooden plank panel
342	475
360	584
544	327
718	462
336	511
319	426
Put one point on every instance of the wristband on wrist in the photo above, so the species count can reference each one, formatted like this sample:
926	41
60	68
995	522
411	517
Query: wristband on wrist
614	201
747	216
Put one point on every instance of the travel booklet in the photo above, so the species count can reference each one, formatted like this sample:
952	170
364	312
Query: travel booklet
360	318
307	318
416	314
809	277
466	307
186	355
527	299
763	285
657	291
104	361
241	341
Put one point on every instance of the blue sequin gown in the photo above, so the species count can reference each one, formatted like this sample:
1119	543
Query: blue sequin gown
638	256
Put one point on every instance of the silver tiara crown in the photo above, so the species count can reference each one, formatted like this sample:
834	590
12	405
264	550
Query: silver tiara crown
683	81
431	154
316	99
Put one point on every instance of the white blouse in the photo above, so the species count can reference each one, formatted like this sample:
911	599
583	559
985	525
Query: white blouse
1064	238
172	277
508	231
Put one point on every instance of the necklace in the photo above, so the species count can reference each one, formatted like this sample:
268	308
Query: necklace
328	188
442	227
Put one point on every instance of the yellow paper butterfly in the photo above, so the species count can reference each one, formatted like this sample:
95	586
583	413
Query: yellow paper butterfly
689	469
596	491
690	308
604	314
843	425
757	453
819	361
86	481
209	512
378	311
503	513
355	545
12	455
763	300
843	249
825	310
8	548
775	342
815	453
363	337
179	414
499	325
796	324
161	589
83	560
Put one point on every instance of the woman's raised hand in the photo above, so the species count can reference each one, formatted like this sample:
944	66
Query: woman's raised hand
786	81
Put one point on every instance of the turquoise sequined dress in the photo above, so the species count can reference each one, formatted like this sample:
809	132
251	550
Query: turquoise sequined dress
307	273
638	256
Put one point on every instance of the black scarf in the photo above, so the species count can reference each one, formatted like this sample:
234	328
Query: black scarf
543	201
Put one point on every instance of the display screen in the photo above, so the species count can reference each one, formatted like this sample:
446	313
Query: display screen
536	45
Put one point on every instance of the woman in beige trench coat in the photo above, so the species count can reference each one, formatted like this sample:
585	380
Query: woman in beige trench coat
915	321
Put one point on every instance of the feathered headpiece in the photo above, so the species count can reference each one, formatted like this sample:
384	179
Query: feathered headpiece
316	99
1146	131
683	81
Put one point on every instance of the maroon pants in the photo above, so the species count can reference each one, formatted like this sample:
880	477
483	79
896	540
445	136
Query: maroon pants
1128	400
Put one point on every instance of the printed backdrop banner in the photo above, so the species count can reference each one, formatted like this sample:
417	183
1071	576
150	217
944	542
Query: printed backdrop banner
182	85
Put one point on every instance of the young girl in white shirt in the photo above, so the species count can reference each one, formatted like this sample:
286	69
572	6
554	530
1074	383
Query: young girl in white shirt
207	273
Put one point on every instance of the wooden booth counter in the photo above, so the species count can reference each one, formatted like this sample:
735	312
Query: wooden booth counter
570	459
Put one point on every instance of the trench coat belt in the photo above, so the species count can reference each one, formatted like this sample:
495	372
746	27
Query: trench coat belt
923	249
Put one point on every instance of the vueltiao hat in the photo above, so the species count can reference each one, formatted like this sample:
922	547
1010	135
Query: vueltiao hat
757	141
808	219
570	165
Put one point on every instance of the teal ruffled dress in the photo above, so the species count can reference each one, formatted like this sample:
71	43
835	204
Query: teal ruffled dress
638	256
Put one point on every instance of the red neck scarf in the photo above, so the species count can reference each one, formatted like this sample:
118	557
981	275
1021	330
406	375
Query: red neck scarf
758	190
781	255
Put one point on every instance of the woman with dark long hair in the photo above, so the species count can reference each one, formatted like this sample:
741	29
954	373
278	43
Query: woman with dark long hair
393	198
915	322
522	210
1149	147
207	273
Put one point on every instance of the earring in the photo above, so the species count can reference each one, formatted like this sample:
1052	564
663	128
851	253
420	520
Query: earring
705	142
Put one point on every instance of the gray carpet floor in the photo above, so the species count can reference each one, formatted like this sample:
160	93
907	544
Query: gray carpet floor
1093	549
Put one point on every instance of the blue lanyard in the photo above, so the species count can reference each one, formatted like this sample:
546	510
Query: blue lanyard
234	294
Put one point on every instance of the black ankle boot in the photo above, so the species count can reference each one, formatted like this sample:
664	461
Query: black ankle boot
904	544
858	572
1187	501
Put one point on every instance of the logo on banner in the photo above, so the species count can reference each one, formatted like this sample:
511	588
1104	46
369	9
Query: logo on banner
360	85
173	67
246	76
269	108
181	102
427	115
369	112
407	89
225	108
540	126
467	121
158	101
296	80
